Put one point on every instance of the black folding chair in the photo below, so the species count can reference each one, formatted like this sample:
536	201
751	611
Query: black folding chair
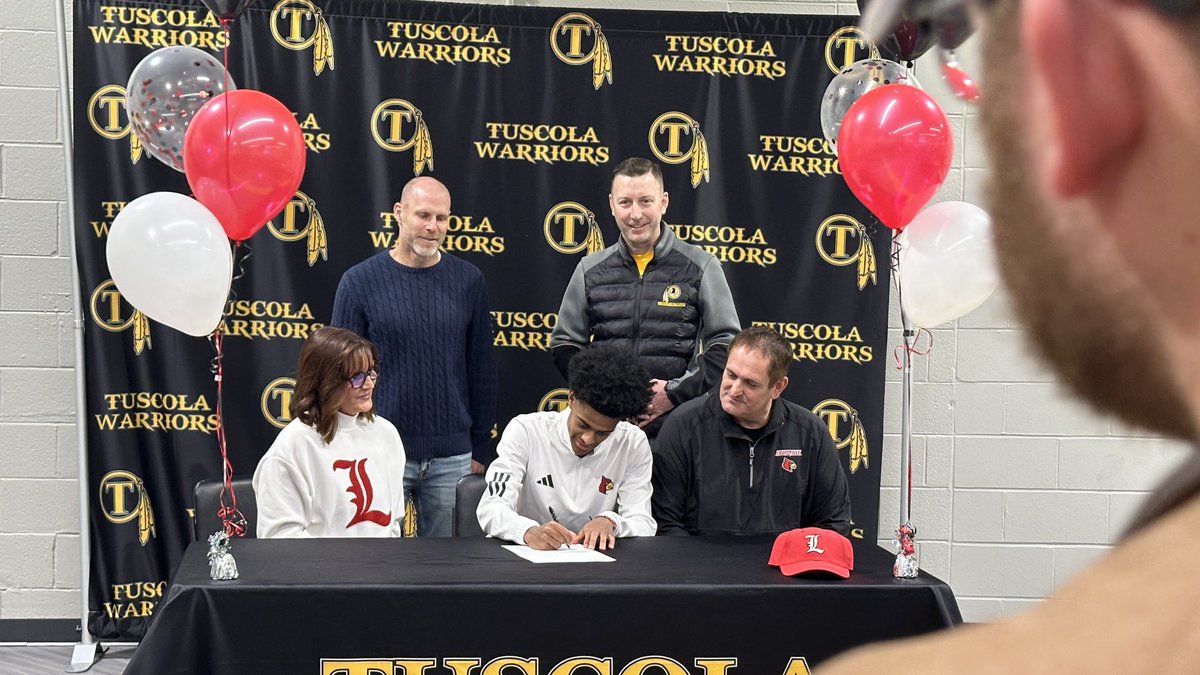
467	493
206	500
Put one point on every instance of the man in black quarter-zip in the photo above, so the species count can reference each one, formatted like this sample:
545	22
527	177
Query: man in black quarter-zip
742	460
664	299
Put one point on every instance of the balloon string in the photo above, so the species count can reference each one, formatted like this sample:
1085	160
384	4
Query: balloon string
241	266
896	257
225	24
909	349
232	520
903	353
240	272
910	337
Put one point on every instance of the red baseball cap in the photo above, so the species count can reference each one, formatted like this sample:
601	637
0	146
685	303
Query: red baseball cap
812	549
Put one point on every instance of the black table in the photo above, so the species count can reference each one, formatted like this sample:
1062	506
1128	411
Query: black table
395	605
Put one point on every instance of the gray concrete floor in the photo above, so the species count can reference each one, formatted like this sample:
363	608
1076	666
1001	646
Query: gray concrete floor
48	658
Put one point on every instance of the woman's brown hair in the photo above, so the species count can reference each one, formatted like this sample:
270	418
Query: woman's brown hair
327	360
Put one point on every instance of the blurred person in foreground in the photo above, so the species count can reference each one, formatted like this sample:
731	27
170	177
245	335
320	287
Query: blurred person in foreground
1090	109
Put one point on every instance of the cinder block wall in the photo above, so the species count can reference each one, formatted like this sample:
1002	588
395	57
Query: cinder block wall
1015	485
39	512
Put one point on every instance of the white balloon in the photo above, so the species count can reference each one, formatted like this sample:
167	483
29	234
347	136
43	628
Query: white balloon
947	266
170	258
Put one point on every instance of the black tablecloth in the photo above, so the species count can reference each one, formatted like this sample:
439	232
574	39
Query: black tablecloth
389	600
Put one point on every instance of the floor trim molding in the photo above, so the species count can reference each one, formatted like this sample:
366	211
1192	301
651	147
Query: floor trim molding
39	630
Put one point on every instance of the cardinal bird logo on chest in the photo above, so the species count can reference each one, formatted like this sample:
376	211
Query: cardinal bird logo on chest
606	485
788	465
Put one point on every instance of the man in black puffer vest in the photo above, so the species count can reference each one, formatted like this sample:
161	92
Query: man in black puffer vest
665	299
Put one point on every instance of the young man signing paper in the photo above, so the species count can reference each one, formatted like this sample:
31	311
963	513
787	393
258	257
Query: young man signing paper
581	475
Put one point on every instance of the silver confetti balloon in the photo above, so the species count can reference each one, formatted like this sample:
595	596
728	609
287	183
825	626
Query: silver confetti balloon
851	84
164	93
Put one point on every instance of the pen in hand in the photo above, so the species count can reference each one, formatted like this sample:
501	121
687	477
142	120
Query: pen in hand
554	518
549	536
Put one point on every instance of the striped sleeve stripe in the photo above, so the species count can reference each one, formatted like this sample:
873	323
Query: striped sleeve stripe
498	485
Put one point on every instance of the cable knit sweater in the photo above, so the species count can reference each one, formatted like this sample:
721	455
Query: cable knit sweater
431	325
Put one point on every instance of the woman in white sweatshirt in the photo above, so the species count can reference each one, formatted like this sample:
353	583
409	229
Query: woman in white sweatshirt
337	469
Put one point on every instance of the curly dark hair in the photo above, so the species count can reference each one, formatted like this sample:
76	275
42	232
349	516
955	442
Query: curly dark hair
610	380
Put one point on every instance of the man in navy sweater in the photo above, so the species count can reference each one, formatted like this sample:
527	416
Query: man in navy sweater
427	313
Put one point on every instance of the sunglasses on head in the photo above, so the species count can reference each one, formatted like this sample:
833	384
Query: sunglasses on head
910	27
946	17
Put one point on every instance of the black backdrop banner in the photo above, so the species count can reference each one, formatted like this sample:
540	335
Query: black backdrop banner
526	111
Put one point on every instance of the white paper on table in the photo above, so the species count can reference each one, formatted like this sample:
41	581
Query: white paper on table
577	553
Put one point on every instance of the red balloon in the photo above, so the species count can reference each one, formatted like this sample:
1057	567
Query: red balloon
894	148
246	176
962	84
